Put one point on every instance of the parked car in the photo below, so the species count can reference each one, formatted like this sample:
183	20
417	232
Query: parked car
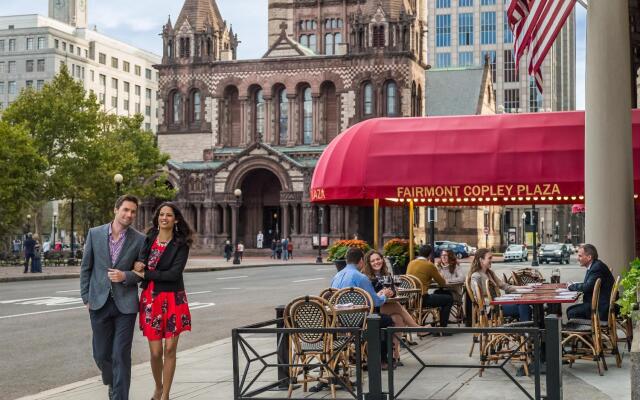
554	252
470	249
458	249
516	252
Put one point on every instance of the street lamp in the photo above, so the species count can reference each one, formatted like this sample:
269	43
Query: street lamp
320	218
542	230
28	222
557	231
570	234
55	217
486	227
236	256
276	228
524	238
534	222
117	179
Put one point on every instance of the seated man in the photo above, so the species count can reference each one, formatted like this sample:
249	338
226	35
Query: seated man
426	272
350	276
588	258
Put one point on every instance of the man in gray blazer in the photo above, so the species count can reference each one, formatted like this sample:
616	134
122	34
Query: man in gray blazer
110	291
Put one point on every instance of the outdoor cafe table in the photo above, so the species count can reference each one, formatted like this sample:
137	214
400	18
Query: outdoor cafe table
353	309
397	299
537	296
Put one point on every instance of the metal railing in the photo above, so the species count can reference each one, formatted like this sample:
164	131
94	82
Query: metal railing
545	353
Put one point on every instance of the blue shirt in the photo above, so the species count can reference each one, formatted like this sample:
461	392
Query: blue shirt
351	277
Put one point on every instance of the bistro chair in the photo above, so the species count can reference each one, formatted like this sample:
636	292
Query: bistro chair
586	332
426	315
610	332
327	293
415	299
475	310
311	312
524	276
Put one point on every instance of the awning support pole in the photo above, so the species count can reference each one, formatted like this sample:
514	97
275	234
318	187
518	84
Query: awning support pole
376	223
411	250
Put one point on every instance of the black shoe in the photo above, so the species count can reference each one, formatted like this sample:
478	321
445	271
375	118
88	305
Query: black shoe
25	271
110	392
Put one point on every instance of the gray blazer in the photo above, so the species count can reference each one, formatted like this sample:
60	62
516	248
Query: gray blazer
94	282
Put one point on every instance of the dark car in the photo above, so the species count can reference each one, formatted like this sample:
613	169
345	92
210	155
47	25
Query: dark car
554	252
459	249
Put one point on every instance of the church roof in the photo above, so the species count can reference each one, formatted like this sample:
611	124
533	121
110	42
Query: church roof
285	46
391	8
455	91
201	14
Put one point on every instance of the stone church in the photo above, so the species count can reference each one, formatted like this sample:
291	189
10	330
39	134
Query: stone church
260	125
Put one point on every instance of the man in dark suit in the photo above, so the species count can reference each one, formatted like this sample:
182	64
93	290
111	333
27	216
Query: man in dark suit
588	258
109	289
29	252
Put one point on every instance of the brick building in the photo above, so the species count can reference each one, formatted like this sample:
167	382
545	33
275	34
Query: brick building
260	125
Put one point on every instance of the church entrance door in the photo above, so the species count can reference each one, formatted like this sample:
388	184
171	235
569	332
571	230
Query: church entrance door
260	209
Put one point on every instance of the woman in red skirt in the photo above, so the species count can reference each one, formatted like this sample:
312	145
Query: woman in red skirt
164	311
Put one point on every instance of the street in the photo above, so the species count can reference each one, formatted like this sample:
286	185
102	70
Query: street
46	333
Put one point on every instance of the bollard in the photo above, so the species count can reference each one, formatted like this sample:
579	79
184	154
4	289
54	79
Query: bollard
374	367
283	351
553	342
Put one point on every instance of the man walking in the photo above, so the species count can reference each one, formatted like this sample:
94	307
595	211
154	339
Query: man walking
29	252
109	289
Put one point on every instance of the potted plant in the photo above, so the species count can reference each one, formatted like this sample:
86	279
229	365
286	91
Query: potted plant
337	252
397	250
631	287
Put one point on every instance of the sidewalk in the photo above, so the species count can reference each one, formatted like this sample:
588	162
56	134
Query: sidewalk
195	264
205	372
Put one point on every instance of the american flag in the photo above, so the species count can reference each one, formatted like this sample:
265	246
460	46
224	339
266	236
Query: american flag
535	25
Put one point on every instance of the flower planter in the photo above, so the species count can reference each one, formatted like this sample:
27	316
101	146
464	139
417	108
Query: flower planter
340	264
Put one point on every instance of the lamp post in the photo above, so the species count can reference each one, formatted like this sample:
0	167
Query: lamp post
524	238
486	227
236	256
557	231
55	217
542	230
534	222
570	236
117	179
277	228
320	221
28	223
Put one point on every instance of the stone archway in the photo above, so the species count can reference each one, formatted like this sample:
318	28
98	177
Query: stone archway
260	209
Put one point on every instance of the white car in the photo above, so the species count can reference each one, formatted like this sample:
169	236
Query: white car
470	249
516	252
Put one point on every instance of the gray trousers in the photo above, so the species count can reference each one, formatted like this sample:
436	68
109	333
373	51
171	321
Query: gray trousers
112	338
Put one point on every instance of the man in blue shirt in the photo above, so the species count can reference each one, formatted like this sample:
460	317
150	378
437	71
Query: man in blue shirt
350	276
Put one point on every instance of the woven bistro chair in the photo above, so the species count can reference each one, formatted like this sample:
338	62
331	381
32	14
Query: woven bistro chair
475	312
327	293
426	316
415	299
588	333
311	312
524	276
610	332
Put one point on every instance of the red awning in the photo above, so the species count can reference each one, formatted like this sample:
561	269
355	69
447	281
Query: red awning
462	160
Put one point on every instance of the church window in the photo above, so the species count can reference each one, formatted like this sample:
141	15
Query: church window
307	117
304	40
283	117
177	105
312	43
378	36
392	99
196	106
367	97
259	113
328	44
170	49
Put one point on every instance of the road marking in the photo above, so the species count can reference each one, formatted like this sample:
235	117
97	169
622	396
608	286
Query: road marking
195	305
324	269
41	312
232	277
45	301
68	291
308	280
191	293
231	288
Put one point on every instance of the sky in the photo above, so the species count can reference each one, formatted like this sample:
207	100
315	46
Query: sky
139	22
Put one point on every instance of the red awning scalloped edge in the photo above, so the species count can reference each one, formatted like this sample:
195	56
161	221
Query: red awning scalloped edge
459	161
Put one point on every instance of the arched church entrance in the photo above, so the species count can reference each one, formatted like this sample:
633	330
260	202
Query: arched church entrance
260	209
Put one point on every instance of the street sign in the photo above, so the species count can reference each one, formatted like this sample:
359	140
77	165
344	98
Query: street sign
486	230
432	214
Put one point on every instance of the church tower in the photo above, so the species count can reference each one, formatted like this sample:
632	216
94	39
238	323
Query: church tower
71	12
199	34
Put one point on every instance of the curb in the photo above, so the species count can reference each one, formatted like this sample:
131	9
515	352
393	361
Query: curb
193	270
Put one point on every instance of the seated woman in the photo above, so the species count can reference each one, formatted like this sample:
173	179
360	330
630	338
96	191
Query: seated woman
452	273
481	272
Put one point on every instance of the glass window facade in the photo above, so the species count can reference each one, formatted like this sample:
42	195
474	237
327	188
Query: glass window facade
307	116
443	3
508	35
465	29
488	27
465	58
511	100
443	30
535	97
443	60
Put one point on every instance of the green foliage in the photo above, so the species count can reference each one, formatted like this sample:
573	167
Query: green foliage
398	248
630	281
338	249
83	147
21	176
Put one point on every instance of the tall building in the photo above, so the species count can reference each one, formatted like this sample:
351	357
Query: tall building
463	32
33	48
260	125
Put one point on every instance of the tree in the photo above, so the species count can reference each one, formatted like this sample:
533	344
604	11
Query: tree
83	147
21	176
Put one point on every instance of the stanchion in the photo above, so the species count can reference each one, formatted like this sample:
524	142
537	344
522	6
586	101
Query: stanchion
282	340
374	366
553	343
